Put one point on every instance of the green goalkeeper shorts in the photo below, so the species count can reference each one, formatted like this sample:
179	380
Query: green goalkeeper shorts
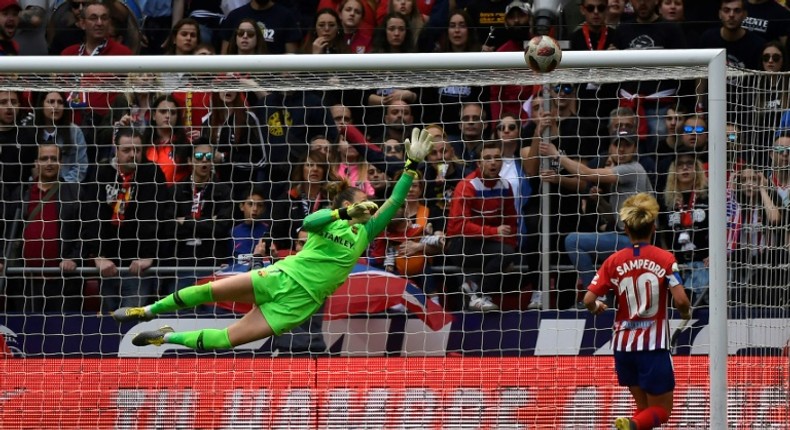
283	302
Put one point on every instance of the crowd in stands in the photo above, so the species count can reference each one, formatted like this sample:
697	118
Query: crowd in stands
129	182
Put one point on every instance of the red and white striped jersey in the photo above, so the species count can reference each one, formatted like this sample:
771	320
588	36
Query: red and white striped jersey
641	276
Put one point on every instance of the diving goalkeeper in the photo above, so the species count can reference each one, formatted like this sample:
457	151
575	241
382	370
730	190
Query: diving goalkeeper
290	290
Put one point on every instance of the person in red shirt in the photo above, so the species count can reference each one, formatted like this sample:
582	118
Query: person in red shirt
482	228
641	275
91	107
9	19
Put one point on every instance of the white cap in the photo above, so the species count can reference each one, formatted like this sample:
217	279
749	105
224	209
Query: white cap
526	7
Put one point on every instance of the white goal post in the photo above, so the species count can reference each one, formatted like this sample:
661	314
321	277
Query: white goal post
13	71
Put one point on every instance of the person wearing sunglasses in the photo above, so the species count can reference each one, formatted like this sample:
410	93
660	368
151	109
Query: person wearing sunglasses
743	47
283	34
247	39
593	34
772	92
204	217
693	138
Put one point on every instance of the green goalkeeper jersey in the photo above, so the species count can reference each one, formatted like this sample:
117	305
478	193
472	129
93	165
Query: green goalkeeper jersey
333	246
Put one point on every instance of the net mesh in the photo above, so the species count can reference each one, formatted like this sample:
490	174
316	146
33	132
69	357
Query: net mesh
460	363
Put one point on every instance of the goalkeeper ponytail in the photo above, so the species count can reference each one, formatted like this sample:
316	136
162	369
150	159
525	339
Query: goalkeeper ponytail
341	191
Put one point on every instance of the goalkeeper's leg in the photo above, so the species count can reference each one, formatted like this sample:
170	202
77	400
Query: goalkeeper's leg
251	327
236	288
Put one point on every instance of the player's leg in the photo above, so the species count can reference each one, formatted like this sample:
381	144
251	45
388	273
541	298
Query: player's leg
237	288
657	381
253	326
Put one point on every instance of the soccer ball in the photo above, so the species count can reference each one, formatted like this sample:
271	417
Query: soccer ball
543	54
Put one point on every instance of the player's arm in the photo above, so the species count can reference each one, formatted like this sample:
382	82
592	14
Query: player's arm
319	219
682	303
599	286
416	149
592	303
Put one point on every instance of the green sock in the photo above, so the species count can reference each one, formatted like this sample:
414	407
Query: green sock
185	298
203	340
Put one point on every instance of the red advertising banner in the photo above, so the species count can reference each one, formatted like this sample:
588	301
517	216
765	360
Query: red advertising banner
344	393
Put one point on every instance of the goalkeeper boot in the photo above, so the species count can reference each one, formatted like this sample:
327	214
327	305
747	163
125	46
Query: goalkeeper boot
624	423
131	314
153	337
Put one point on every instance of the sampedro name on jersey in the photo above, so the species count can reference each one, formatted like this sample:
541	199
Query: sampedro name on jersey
640	276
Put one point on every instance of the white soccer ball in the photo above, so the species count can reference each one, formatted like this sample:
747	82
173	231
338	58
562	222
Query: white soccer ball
543	54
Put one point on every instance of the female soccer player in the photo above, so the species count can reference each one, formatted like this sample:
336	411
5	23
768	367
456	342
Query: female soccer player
290	290
641	275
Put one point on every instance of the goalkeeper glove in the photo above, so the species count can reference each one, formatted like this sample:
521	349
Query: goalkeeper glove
360	212
418	147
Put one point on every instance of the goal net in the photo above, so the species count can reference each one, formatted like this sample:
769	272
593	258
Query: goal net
169	172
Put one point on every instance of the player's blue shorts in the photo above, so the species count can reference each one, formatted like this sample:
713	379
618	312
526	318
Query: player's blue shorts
652	371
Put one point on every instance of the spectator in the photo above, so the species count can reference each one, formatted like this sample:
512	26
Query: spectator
393	36
167	147
350	165
472	127
595	100
50	238
511	98
52	124
279	24
251	230
184	38
683	221
593	34
358	22
307	195
327	36
16	155
131	109
363	12
571	135
207	13
779	170
650	99
768	19
488	20
458	36
293	119
320	144
90	108
743	47
614	12
398	118
443	172
408	242
61	35
443	104
756	235
508	131
671	10
9	19
380	181
248	39
771	98
424	7
31	35
127	206
413	15
482	229
624	117
16	160
204	217
234	131
627	177
694	138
